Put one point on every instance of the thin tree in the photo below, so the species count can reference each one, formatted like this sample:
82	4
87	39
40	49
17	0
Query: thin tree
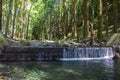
0	15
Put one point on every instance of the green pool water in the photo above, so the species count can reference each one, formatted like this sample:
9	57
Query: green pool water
106	69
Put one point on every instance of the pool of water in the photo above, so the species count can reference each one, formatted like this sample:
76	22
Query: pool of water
105	69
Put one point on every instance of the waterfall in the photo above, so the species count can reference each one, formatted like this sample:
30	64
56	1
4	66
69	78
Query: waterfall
87	53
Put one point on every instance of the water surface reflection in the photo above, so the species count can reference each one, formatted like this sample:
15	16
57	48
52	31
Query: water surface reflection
61	70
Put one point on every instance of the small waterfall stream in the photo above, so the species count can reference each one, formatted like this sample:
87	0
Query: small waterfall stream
56	53
87	53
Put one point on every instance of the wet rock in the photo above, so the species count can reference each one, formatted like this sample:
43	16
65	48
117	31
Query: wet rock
74	44
117	49
116	57
16	44
102	43
66	45
35	43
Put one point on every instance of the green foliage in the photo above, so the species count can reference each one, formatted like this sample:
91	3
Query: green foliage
58	19
36	32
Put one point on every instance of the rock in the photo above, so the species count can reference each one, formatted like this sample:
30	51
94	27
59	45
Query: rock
48	41
116	57
117	49
74	44
16	44
35	43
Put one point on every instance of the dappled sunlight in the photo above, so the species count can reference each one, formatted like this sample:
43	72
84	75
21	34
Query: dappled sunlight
60	70
71	71
37	75
114	40
59	39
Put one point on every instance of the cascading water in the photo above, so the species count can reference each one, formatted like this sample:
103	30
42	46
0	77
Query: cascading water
87	53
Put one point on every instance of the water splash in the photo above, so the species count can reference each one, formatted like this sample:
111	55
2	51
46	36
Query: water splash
87	53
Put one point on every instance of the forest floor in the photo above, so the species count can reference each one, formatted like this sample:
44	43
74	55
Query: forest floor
112	40
50	43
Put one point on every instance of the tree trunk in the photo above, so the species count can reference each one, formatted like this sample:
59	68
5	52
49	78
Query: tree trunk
92	17
91	34
100	19
22	20
14	18
64	18
8	17
106	16
59	20
86	18
115	14
28	21
73	18
0	15
46	18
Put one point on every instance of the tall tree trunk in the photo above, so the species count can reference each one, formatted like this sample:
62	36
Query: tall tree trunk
115	14
28	21
50	23
74	28
14	18
59	20
91	34
46	18
106	16
92	23
0	15
100	19
86	18
8	17
73	18
64	18
22	20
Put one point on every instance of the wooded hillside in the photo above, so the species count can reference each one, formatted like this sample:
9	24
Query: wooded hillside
75	20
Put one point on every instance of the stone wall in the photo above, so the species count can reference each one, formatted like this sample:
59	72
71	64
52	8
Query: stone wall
30	53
